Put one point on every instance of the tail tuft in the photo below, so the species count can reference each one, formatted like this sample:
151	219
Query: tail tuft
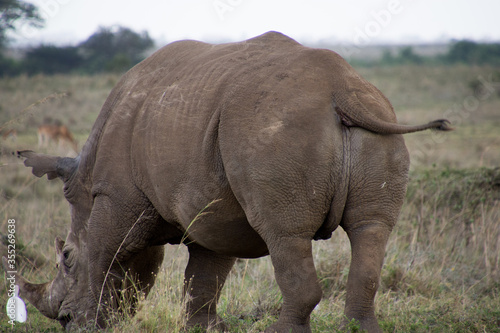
441	125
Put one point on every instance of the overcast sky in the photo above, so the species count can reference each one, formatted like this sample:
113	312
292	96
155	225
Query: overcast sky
349	22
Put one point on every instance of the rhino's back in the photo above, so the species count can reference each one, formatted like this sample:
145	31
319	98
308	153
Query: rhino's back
176	98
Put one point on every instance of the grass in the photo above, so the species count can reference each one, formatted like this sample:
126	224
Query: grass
442	266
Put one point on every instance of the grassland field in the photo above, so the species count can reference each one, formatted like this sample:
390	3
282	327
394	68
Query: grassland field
442	267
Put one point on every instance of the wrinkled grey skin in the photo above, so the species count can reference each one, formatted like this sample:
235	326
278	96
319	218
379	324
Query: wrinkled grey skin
283	142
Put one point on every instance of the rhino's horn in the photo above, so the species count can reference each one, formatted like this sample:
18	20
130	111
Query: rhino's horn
41	295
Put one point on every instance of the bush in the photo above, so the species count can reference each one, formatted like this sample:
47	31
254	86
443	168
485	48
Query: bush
469	52
107	50
9	66
50	59
114	49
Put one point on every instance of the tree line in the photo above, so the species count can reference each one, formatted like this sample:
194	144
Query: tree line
463	51
110	49
116	49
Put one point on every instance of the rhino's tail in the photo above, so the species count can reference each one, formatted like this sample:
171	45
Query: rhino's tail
371	123
359	103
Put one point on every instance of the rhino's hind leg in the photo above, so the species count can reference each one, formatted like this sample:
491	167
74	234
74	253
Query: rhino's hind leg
368	248
377	190
296	276
204	278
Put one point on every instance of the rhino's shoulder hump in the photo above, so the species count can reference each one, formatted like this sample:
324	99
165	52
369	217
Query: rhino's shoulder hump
273	37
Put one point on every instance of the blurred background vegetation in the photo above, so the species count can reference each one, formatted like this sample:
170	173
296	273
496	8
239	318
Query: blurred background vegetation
109	49
116	49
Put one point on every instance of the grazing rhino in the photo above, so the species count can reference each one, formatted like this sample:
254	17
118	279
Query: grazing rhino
281	143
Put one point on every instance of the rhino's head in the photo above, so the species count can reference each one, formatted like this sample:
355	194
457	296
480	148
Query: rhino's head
66	297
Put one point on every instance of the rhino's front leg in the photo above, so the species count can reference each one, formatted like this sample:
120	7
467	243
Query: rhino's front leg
205	275
120	261
144	267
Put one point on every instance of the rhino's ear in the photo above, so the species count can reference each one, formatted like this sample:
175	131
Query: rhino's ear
52	166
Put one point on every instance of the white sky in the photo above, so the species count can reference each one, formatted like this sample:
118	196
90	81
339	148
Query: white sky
350	22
